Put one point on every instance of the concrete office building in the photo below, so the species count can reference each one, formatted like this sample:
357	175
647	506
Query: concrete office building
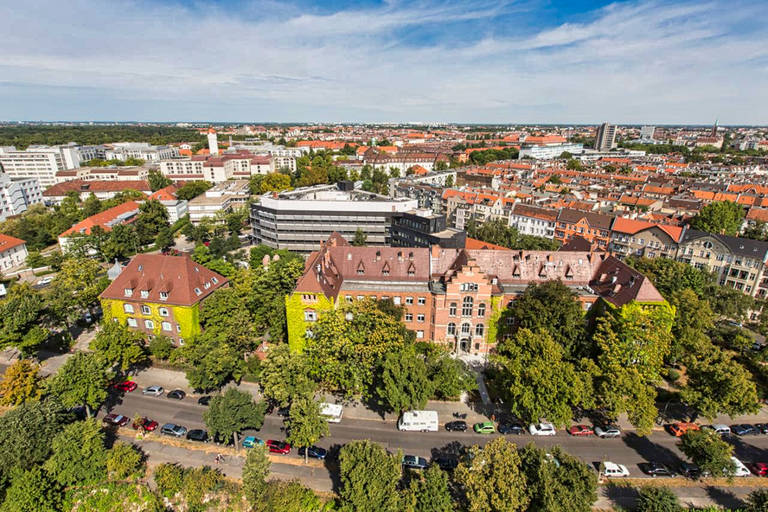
423	228
40	162
302	219
17	194
606	137
142	150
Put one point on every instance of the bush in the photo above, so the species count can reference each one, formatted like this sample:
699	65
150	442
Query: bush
169	479
160	347
124	461
673	375
657	499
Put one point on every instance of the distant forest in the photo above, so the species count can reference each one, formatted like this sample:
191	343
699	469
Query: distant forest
25	135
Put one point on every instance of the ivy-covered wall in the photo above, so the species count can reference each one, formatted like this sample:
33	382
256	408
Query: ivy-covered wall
188	317
294	317
493	320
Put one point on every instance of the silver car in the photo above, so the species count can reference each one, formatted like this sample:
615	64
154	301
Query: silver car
606	431
153	391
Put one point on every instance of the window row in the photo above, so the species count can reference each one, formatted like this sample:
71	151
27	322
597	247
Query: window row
149	324
421	301
466	329
466	308
145	310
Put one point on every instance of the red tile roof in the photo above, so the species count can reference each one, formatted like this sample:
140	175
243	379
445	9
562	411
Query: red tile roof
80	186
473	243
8	242
631	226
106	219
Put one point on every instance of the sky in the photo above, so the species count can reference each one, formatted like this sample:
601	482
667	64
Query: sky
467	61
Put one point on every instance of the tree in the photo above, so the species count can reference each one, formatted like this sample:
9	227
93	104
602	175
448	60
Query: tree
125	461
430	493
491	478
450	376
232	412
20	313
448	181
161	346
151	219
76	286
32	491
21	383
573	164
496	231
557	481
79	455
164	238
26	434
403	381
553	306
274	182
757	501
717	384
536	380
305	424
721	217
157	180
670	276
285	375
369	478
657	499
210	361
289	496
730	303
708	451
192	189
91	206
255	473
360	238
83	380
121	347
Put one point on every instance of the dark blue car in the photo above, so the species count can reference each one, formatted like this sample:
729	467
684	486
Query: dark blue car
313	452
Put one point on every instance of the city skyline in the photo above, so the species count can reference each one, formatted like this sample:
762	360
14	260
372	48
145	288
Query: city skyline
469	62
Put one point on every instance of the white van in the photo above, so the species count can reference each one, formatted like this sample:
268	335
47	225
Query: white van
418	421
331	412
613	470
739	468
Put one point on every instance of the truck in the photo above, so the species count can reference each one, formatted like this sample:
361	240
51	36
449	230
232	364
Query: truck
418	421
331	412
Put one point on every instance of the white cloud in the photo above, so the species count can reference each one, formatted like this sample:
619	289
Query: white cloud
630	62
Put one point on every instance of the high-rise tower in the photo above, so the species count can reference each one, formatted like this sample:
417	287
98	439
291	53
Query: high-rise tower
606	137
213	144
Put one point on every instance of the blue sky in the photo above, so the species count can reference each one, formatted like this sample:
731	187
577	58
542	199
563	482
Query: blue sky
495	61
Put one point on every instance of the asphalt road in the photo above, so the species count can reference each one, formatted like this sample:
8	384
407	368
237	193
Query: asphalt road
629	450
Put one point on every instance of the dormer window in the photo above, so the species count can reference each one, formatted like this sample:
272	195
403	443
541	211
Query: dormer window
198	291
214	280
128	292
163	295
207	285
144	294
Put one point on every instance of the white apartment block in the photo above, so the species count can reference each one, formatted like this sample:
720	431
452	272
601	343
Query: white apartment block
549	152
223	197
17	194
110	173
13	252
143	150
40	162
532	220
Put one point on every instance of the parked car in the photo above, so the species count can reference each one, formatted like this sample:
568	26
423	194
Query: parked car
580	430
456	426
744	430
251	441
541	429
762	427
176	394
690	470
153	391
87	317
116	419
655	469
45	281
172	429
446	463
759	468
681	427
145	423
613	470
204	400
719	428
126	386
414	462
740	469
278	446
607	431
313	452
485	427
511	428
198	435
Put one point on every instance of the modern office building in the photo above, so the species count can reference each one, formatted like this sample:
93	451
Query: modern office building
224	197
141	150
423	228
300	220
606	137
549	151
39	162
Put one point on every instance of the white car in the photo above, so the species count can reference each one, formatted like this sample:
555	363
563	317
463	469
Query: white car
613	470
153	391
541	429
607	431
44	281
741	469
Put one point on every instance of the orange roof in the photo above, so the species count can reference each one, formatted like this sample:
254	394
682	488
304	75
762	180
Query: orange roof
631	226
419	170
473	243
105	219
165	194
9	242
759	214
544	139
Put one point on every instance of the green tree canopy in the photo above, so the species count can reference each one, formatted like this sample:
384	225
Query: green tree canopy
20	312
557	481
232	412
82	381
497	231
305	424
21	383
721	217
285	376
32	491
79	455
255	474
369	478
429	493
360	238
125	461
708	451
192	189
157	180
657	499
404	383
121	347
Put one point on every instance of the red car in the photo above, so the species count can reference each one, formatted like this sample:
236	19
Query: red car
580	430
145	423
760	468
116	420
127	385
278	446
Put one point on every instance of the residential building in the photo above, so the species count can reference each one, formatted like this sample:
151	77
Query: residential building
121	214
593	227
549	151
452	297
427	196
647	132
39	162
737	262
141	150
17	194
213	144
630	237
224	197
434	178
13	252
300	220
532	220
176	208
157	294
605	139
111	173
55	194
423	228
217	169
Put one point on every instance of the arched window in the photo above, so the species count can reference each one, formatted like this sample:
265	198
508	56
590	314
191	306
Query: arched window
466	306
465	329
479	330
481	309
451	329
452	309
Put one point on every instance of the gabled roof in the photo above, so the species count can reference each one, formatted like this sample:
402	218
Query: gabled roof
596	220
631	226
83	186
745	247
619	284
185	282
120	214
8	242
